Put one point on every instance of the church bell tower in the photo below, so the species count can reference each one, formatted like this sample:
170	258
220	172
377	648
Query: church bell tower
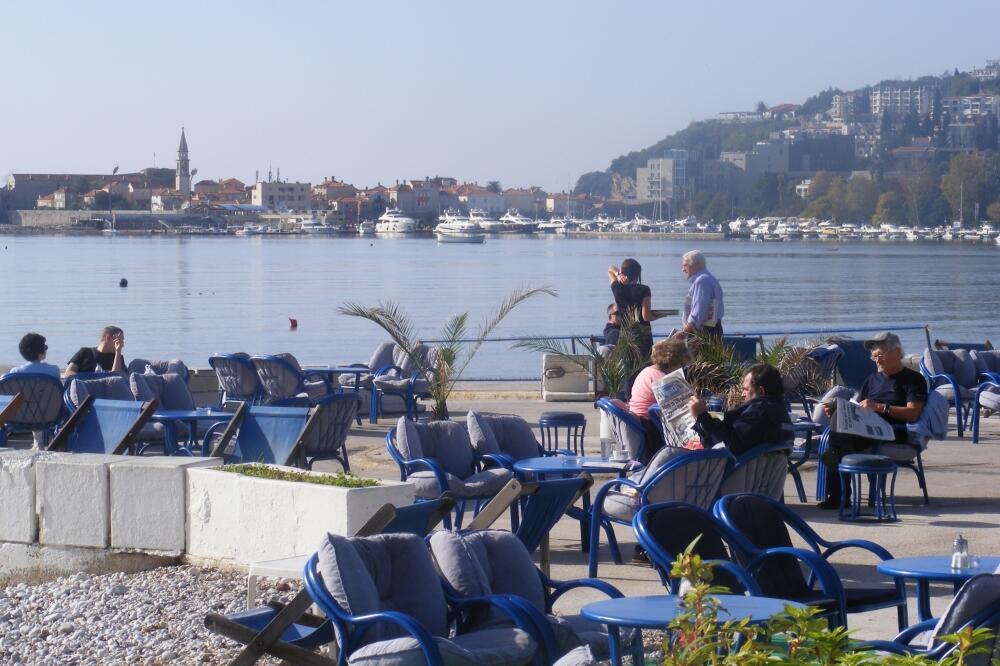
183	174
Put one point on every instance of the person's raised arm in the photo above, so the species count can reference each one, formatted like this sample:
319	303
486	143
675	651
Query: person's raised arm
119	362
612	274
70	370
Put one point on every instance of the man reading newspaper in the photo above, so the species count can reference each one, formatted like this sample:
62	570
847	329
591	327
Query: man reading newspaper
896	393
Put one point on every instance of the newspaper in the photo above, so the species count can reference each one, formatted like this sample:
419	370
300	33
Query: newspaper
852	418
672	393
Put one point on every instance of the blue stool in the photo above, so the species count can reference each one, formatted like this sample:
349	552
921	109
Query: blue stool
574	424
878	469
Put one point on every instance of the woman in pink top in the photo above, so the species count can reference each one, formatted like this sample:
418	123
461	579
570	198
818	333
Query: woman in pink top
666	356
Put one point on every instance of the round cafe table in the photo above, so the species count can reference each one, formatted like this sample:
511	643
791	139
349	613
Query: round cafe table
658	611
937	568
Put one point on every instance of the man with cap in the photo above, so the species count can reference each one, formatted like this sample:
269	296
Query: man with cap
895	392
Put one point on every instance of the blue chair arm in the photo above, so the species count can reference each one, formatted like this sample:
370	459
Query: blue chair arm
886	646
906	635
555	589
937	380
384	370
418	464
739	573
497	459
524	616
543	630
426	642
818	567
322	376
557	452
993	377
864	544
213	430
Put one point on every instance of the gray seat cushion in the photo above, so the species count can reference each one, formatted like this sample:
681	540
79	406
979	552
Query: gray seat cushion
502	433
957	363
497	646
446	442
990	399
986	361
107	388
622	506
976	595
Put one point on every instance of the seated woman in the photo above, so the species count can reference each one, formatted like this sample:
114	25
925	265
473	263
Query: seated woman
666	356
762	419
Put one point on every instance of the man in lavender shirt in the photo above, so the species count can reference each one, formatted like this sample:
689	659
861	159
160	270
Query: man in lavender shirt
703	307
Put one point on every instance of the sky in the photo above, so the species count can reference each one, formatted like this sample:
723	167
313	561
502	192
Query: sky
525	93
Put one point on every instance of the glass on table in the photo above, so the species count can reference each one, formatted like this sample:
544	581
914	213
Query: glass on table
607	448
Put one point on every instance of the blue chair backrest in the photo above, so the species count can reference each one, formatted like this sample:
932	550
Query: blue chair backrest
335	415
416	518
744	347
856	363
280	379
269	435
694	478
42	407
236	375
760	470
967	346
626	427
104	426
542	509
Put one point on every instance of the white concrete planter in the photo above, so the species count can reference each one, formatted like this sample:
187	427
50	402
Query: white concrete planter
239	519
18	515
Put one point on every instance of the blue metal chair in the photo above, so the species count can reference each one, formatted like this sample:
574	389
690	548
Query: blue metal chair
142	366
987	396
673	475
856	363
953	374
763	523
238	381
965	346
372	620
273	435
625	426
41	408
573	425
976	605
438	457
744	347
761	470
9	404
405	378
285	383
328	439
103	426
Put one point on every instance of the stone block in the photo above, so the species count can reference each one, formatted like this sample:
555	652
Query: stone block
148	501
241	519
72	499
18	515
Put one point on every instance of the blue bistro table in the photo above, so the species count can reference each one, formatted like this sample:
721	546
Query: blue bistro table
923	570
331	373
170	417
656	612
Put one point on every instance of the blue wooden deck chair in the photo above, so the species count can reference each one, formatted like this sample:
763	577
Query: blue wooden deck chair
238	381
744	347
544	503
103	426
258	434
673	474
328	439
764	525
9	404
41	408
856	363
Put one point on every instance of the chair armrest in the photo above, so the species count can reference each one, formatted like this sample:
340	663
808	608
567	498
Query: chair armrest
386	369
906	635
885	646
990	377
555	589
863	544
213	430
322	376
409	624
418	464
523	619
740	574
557	452
944	377
497	459
828	579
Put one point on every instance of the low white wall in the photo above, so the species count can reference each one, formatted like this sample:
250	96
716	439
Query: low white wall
242	519
18	514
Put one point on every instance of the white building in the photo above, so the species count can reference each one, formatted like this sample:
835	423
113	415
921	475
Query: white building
972	105
897	99
277	195
662	178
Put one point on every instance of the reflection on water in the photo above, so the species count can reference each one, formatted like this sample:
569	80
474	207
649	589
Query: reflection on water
191	297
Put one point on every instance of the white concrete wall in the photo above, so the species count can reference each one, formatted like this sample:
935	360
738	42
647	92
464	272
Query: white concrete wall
72	500
242	519
18	515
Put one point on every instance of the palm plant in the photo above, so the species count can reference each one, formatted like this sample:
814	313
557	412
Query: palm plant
457	350
613	368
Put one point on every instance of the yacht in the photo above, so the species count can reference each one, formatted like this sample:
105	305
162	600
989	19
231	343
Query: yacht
455	228
485	222
366	227
640	223
393	221
555	224
517	223
314	226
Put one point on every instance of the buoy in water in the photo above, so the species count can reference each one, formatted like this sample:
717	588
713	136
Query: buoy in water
123	282
293	323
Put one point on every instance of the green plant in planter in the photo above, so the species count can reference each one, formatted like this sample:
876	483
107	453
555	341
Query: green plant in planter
797	637
612	369
457	350
261	471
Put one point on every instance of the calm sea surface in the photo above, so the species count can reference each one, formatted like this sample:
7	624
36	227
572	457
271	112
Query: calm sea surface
192	297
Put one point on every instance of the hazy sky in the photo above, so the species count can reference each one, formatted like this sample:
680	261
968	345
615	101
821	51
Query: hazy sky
520	92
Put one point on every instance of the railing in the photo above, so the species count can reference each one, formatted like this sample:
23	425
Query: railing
761	333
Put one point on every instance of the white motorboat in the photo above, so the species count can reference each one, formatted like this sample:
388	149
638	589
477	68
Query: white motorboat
456	228
553	225
485	222
393	221
517	223
461	237
366	227
314	226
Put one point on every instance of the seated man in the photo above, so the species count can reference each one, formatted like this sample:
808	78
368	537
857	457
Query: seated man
895	392
762	419
33	348
107	355
613	328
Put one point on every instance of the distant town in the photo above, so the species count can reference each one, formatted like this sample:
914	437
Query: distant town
912	153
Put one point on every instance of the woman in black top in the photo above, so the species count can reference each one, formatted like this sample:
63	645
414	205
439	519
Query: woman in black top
634	300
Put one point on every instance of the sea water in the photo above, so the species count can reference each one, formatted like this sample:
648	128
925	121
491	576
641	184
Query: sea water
190	297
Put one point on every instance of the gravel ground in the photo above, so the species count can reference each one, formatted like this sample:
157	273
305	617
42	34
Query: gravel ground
152	617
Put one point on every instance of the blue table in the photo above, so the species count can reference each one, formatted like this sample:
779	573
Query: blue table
937	568
332	373
170	417
656	612
567	465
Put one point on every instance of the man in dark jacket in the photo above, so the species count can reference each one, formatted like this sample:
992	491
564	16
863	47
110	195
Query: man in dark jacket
762	419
